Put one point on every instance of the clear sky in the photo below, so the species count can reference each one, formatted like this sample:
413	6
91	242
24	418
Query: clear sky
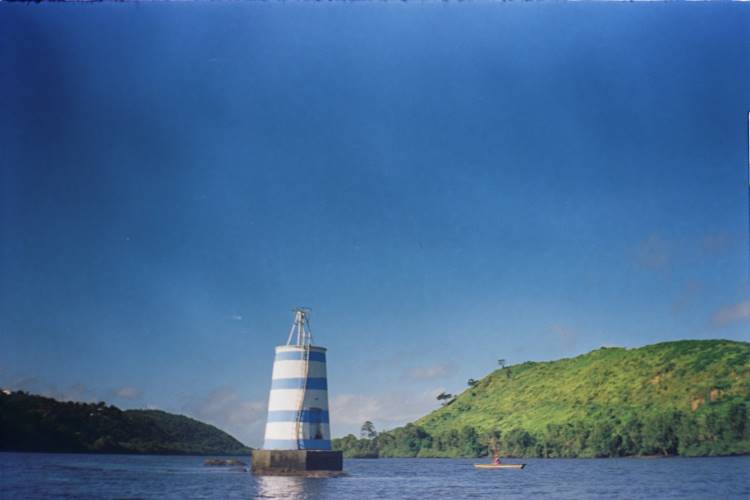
443	184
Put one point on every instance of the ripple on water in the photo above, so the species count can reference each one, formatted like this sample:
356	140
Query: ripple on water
33	476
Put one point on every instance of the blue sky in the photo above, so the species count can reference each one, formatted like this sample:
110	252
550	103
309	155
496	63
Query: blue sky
443	184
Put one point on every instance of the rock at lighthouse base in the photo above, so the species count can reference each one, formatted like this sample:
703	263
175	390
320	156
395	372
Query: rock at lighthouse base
321	463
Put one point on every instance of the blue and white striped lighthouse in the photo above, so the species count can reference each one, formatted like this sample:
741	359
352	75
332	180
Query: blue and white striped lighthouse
298	437
298	403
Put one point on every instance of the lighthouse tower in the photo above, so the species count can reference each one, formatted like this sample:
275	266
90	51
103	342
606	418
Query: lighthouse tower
298	403
297	438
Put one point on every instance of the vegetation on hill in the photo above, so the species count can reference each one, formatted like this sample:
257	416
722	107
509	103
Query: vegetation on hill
36	423
685	398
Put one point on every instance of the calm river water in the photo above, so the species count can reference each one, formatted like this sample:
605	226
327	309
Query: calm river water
29	476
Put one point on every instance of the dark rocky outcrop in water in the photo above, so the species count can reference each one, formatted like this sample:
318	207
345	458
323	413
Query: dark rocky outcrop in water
224	462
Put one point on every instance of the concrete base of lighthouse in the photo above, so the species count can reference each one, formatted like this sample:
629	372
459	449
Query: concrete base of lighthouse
297	463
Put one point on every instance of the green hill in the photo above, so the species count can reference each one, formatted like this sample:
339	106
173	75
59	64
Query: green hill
36	423
688	398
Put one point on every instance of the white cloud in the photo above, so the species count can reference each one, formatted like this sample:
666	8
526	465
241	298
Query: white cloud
74	392
245	419
223	407
27	384
128	392
432	372
732	314
386	410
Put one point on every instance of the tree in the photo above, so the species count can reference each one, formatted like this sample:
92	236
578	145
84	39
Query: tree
502	364
492	441
517	442
737	420
604	441
368	431
404	441
470	444
660	433
444	397
632	436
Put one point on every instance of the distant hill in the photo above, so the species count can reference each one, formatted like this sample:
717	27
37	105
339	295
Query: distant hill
688	398
36	423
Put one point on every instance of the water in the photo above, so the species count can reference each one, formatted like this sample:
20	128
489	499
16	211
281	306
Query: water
30	476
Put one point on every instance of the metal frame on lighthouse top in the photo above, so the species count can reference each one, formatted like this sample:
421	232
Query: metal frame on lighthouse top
301	327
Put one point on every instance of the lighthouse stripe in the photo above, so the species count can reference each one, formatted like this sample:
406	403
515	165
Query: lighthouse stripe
299	383
287	430
298	355
305	416
297	369
293	444
288	399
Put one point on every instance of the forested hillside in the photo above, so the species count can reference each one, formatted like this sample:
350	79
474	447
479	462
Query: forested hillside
36	423
688	398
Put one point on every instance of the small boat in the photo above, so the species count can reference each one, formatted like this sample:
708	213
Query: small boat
494	452
499	466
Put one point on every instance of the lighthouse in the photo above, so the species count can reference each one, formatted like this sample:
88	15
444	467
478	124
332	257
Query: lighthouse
297	436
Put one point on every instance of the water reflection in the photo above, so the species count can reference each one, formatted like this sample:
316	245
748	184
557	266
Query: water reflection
290	487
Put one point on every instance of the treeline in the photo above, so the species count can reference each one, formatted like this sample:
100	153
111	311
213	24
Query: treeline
712	430
35	423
